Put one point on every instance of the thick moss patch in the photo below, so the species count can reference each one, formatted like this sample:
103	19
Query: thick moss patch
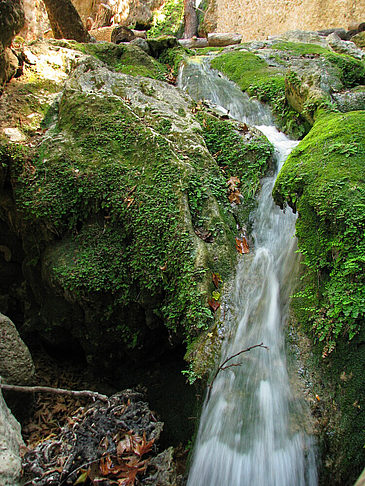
245	68
323	180
127	59
246	155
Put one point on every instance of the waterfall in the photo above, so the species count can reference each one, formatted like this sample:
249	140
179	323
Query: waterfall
252	429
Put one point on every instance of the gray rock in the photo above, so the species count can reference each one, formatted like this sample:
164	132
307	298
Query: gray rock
342	33
142	44
164	465
10	442
160	44
16	364
359	40
303	36
344	47
351	100
223	39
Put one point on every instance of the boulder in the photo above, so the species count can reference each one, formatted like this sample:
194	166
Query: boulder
16	364
122	34
142	44
359	40
344	47
103	33
149	275
11	20
223	39
304	37
10	443
160	44
342	33
350	100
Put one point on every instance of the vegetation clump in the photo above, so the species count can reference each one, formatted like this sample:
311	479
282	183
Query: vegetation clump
322	180
168	20
240	152
126	59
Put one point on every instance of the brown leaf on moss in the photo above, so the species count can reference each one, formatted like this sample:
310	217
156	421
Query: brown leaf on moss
242	245
233	183
234	197
216	278
214	304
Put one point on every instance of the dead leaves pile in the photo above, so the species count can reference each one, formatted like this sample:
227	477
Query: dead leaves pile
107	443
121	469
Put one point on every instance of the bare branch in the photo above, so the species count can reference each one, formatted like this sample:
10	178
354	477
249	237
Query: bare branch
58	391
223	367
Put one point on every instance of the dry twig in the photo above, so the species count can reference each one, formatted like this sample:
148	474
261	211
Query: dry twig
224	367
58	391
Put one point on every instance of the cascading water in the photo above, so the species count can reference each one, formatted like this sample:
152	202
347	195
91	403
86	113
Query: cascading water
251	429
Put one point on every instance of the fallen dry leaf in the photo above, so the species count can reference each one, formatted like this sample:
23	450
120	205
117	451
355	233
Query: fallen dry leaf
144	446
216	278
242	245
233	183
234	197
214	304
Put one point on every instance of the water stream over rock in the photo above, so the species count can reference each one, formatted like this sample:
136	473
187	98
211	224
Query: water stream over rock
252	429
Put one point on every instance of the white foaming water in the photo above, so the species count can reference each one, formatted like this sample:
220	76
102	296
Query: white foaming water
251	429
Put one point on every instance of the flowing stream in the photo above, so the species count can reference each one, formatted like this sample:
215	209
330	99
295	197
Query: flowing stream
252	428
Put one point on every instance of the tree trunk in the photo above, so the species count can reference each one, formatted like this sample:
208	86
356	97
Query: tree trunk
190	19
65	21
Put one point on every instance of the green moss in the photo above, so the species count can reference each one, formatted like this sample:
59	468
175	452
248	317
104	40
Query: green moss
125	59
168	20
252	74
113	190
244	68
351	71
172	58
300	49
323	180
247	160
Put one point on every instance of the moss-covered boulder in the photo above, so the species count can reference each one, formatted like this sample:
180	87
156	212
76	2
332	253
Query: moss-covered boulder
323	181
359	40
296	78
122	210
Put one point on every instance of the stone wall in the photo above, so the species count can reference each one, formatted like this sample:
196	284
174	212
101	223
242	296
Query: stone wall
257	19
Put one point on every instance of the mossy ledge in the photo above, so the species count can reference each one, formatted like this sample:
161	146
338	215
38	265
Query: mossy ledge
323	181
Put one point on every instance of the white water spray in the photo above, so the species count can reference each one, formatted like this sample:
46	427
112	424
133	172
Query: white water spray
251	431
